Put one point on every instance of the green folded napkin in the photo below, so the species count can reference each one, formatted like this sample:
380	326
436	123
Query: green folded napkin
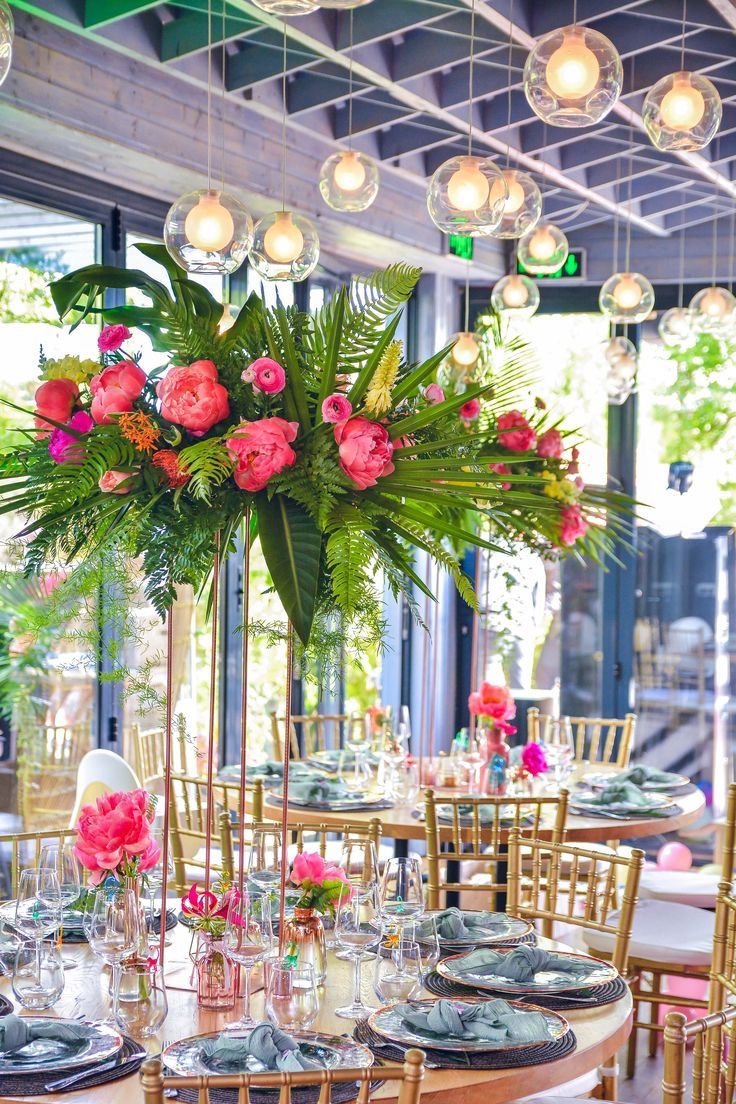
521	964
642	774
16	1032
621	793
321	792
453	923
495	1021
267	1044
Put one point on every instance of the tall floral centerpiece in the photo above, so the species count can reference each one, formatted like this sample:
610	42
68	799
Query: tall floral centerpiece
321	887
114	838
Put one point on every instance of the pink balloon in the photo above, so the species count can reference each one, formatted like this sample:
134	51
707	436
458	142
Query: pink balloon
693	988
674	856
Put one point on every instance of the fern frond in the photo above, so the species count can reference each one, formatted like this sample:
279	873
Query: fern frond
209	463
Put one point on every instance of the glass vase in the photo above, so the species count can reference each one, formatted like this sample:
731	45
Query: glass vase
216	973
306	931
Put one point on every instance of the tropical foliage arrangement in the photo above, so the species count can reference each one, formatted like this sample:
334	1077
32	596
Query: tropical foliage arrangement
344	458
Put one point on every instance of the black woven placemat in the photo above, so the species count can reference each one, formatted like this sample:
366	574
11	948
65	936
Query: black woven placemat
452	1059
340	1094
579	998
74	935
34	1084
529	939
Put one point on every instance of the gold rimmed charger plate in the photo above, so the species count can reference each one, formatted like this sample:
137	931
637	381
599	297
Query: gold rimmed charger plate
601	973
677	781
385	1022
185	1057
515	929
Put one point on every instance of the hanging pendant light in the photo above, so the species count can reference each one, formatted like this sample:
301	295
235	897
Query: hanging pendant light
544	249
682	112
618	347
287	7
7	35
711	307
515	295
521	207
466	196
466	350
572	77
626	297
208	231
676	327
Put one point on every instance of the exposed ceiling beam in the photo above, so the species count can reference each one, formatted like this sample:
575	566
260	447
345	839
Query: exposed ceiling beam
98	13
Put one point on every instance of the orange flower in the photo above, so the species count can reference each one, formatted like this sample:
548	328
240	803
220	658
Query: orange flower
138	428
168	461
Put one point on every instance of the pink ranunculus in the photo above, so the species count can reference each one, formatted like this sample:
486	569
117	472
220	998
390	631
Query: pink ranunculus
572	525
492	701
115	830
502	469
192	397
365	450
55	399
268	375
112	337
549	445
534	760
434	394
336	408
261	450
515	433
470	410
111	482
65	447
115	389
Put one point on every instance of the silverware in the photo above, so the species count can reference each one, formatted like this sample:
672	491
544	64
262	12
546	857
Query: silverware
65	1082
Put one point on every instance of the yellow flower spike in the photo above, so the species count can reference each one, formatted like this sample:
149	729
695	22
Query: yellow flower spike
378	396
71	367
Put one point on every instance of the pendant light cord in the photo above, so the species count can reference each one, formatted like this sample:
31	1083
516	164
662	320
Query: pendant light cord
574	13
470	79
631	178
730	258
508	81
350	86
682	41
467	296
714	261
283	124
616	218
681	294
209	95
222	97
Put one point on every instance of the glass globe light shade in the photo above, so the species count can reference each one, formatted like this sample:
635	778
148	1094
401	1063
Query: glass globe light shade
208	231
466	196
618	347
343	5
626	297
515	295
521	207
348	181
285	246
572	77
711	307
682	112
7	32
543	249
623	370
465	351
676	326
287	7
618	392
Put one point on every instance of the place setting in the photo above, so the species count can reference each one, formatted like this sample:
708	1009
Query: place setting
622	800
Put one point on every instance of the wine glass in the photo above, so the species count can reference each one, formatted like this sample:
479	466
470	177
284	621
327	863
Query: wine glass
356	931
116	928
397	974
402	893
38	905
404	783
59	858
248	939
263	859
155	878
353	771
292	1000
38	974
423	932
473	761
139	1003
359	860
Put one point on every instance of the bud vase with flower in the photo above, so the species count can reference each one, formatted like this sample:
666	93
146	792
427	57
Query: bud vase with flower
215	970
494	707
322	886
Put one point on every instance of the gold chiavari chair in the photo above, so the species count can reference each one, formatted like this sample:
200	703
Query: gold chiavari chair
409	1077
600	740
307	837
314	728
19	850
48	759
147	750
188	812
475	836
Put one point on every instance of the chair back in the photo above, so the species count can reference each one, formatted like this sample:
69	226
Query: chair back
314	729
48	758
601	740
101	772
714	1057
723	968
409	1077
148	751
189	809
578	886
19	850
308	836
477	830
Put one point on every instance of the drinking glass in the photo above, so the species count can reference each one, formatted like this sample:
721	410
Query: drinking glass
353	771
59	858
359	860
357	931
404	783
397	975
473	761
38	905
248	940
263	859
292	1000
38	974
402	893
139	1003
423	932
155	877
116	928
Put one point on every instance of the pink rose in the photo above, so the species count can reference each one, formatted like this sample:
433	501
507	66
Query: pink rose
114	390
55	399
112	337
114	830
434	394
515	433
365	451
470	410
572	525
336	408
261	450
534	760
111	482
191	397
492	701
268	375
65	447
502	469
549	445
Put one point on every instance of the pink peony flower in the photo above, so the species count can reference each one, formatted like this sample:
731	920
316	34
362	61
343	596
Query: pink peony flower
534	760
55	399
111	482
572	525
365	451
492	701
261	450
268	375
191	397
515	433
112	337
470	410
336	408
549	445
115	830
434	394
309	871
65	447
115	389
502	469
308	866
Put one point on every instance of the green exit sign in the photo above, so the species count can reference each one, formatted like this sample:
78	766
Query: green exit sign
459	245
572	269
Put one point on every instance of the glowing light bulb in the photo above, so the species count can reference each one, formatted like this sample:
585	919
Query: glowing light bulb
468	188
573	70
543	245
627	292
226	320
283	241
514	200
349	172
713	304
465	351
209	226
684	106
515	293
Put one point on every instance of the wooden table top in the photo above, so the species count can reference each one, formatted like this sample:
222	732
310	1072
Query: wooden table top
600	1032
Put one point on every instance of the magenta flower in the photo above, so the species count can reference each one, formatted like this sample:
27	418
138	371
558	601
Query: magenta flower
470	410
534	760
515	433
112	337
268	376
549	445
434	394
336	408
65	448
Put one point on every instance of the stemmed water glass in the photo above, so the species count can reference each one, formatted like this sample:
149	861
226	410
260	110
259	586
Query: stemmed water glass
155	878
59	859
402	893
38	905
263	859
248	938
116	928
357	931
353	771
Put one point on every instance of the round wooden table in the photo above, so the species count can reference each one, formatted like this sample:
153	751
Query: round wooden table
600	1032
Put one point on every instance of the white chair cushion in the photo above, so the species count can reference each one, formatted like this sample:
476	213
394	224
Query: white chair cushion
579	1087
681	887
664	932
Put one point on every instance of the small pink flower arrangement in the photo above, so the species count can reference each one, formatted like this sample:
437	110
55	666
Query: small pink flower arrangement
322	886
208	911
495	705
114	836
534	760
